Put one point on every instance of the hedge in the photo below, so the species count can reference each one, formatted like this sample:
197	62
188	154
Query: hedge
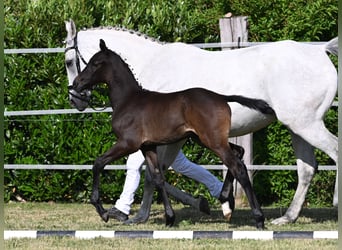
38	81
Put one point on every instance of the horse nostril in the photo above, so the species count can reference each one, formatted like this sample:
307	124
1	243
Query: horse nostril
75	83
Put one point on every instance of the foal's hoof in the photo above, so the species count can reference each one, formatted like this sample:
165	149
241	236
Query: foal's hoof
260	225
135	220
115	213
105	216
227	211
228	216
170	220
204	205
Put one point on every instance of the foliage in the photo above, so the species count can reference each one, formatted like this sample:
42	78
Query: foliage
38	81
301	20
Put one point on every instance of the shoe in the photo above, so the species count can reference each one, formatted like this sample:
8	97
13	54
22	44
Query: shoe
115	213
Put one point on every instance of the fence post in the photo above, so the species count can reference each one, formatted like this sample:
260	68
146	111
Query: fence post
234	29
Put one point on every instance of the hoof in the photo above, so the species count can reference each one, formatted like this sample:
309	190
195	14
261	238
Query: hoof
281	221
335	202
227	216
115	213
105	216
170	221
260	225
204	205
129	222
227	212
134	220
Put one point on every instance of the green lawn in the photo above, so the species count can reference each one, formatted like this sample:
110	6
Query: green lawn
55	216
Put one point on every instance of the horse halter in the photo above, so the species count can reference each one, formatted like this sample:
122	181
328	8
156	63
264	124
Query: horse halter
78	54
84	96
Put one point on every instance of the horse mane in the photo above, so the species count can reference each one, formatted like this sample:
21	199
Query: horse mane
123	29
128	31
124	62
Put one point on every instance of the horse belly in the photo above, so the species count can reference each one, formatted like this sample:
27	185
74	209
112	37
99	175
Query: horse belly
163	123
245	120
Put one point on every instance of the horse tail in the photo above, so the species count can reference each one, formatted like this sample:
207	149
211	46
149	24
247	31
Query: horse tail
256	104
332	46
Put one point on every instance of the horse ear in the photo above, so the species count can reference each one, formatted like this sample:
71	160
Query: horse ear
103	46
71	29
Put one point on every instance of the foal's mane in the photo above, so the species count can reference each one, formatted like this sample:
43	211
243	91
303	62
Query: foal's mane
123	29
129	69
131	32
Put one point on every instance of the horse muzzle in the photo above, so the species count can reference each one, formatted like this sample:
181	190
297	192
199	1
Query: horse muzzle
79	100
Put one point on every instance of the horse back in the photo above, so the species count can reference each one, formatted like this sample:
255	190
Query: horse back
168	117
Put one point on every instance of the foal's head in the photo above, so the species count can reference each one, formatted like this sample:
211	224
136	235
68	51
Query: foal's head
106	67
98	70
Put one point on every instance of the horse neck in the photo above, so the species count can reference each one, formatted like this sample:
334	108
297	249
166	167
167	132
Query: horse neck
137	50
121	82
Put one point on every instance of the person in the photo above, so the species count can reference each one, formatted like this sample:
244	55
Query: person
181	164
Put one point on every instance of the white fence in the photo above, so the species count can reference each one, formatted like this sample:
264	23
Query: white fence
89	110
122	167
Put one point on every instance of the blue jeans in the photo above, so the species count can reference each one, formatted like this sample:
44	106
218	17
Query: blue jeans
185	167
181	165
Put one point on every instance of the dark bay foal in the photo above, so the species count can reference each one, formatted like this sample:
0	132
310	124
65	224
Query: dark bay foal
144	119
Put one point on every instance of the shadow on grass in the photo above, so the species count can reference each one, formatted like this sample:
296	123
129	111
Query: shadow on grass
243	217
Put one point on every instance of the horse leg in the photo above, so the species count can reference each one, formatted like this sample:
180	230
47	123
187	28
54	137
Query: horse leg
166	156
116	152
227	198
158	178
95	195
144	211
306	168
145	208
239	171
200	203
237	150
149	186
319	136
314	134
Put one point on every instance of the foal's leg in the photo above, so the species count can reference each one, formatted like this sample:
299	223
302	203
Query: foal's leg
166	155
117	151
239	171
226	197
158	177
237	150
144	211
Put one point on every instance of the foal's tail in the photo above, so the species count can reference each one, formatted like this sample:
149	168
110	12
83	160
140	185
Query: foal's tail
256	104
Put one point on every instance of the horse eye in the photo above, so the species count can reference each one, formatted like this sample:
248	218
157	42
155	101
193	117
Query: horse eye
69	63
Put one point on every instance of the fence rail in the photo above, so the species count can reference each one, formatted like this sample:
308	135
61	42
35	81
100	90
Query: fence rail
123	167
109	109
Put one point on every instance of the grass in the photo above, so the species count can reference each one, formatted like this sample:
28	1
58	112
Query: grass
55	216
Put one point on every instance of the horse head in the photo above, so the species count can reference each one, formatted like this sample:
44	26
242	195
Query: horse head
106	67
93	74
73	68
